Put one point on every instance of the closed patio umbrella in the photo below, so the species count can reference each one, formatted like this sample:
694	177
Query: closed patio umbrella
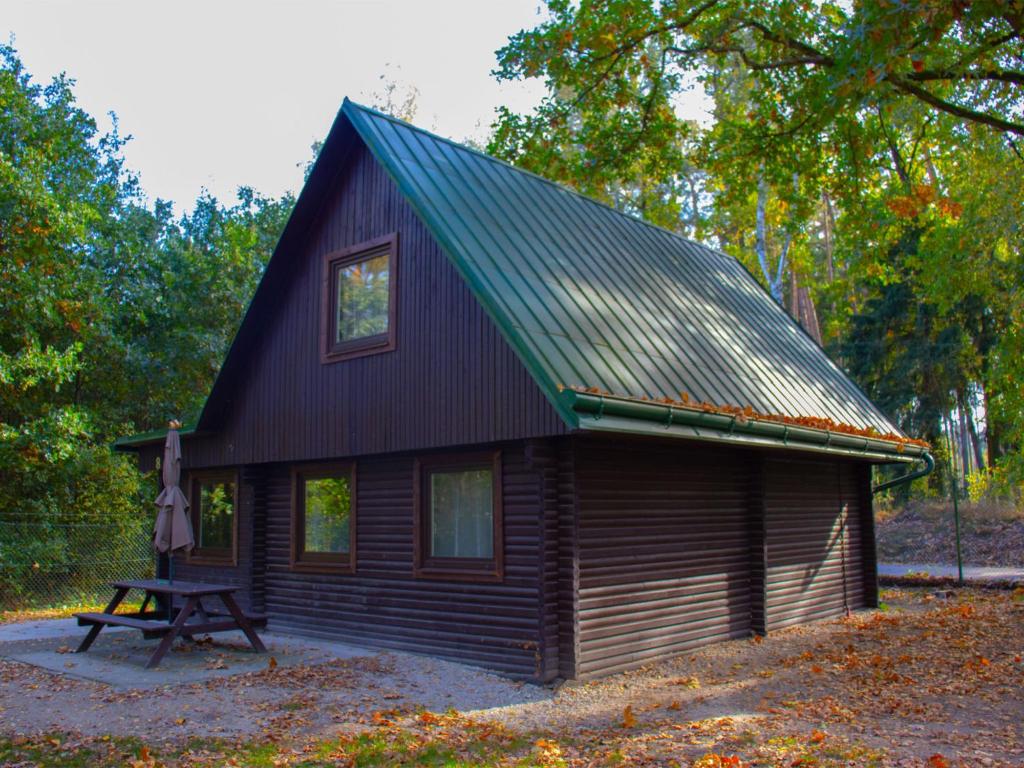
173	530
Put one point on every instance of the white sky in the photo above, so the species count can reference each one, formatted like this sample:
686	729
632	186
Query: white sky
221	93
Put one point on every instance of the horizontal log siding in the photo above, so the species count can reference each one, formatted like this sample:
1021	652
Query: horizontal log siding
383	605
568	563
452	379
814	540
242	574
860	485
664	551
543	457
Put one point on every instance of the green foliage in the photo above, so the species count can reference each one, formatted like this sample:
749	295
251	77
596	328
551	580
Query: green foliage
115	315
328	507
362	299
869	152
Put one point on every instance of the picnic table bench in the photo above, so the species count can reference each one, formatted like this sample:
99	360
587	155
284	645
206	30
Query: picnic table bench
158	623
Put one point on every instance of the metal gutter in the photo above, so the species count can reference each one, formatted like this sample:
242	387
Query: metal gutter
736	428
133	442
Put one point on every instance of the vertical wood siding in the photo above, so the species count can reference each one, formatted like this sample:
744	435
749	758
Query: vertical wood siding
664	551
491	624
452	380
815	543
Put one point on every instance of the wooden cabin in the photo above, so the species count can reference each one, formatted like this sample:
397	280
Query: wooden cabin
473	414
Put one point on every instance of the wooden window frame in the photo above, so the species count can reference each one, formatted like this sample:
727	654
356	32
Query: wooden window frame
321	562
426	566
206	555
370	345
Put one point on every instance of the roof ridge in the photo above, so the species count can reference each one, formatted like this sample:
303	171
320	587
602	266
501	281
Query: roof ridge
557	185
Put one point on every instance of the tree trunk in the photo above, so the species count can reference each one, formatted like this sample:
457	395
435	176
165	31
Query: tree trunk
966	458
761	235
827	221
794	294
972	430
991	431
808	314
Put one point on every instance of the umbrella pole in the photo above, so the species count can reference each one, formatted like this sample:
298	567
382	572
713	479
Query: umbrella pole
170	572
170	580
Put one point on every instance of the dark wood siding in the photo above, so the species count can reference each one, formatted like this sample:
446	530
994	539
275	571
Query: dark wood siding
664	551
491	624
247	571
452	379
815	542
568	563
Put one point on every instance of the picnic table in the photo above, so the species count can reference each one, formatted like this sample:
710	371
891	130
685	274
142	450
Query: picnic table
192	618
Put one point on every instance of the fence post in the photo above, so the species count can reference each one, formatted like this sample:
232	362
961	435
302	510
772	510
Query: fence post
948	422
956	522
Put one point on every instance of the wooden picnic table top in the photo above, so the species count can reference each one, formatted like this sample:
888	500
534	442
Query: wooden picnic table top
180	626
181	588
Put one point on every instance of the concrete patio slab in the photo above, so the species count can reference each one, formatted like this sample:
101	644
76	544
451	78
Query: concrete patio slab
118	657
45	629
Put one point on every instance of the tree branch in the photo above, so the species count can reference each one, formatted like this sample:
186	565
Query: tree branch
796	45
965	113
1001	75
747	60
894	152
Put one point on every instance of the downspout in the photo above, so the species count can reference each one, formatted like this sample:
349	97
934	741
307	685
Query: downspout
929	465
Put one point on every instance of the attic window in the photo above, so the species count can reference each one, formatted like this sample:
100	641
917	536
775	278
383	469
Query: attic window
359	300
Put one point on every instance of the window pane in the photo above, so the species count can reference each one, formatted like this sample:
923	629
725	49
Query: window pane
461	514
362	295
216	514
327	515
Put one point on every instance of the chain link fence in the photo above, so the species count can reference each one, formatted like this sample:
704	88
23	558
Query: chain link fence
47	564
990	535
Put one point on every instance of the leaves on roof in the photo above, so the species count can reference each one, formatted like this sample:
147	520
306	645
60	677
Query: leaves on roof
747	413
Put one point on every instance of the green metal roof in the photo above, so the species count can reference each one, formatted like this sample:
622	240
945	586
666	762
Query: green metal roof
588	297
592	297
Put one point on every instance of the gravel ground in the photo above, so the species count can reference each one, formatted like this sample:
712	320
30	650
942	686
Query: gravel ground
935	673
302	693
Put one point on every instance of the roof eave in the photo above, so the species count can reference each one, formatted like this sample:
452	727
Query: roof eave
153	437
603	413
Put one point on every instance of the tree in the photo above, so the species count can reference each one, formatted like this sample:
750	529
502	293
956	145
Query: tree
812	61
115	316
854	148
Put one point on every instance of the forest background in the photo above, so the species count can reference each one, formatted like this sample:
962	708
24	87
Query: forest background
865	161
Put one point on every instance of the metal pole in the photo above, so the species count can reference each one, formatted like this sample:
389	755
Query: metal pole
956	502
956	521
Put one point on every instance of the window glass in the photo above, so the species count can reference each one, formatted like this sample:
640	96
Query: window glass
327	506
462	514
216	514
361	299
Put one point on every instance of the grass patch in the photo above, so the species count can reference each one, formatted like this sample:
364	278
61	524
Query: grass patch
63	611
438	741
